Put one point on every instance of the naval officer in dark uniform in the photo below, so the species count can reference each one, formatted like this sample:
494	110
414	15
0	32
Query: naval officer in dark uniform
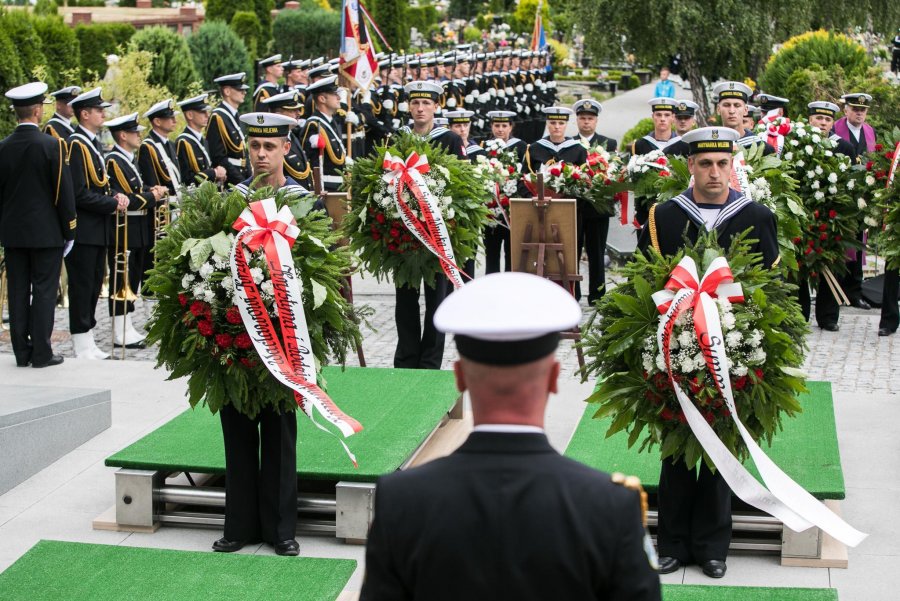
223	132
321	140
506	516
191	147
261	452
695	510
296	166
37	225
60	124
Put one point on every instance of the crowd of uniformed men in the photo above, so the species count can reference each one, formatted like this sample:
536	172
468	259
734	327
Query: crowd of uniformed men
509	95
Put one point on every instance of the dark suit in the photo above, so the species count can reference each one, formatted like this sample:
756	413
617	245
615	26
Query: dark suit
37	217
95	206
194	160
851	282
59	127
695	510
506	517
226	144
593	231
333	152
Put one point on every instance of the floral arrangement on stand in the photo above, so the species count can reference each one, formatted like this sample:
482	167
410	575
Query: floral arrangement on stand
561	180
827	186
395	235
197	320
607	172
763	333
499	168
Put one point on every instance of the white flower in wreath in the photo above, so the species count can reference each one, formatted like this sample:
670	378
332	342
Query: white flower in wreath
198	290
186	280
815	185
808	149
647	360
739	370
660	363
728	321
206	270
755	338
795	143
810	174
832	189
267	288
257	274
757	357
851	184
684	339
788	156
228	285
843	166
819	195
860	202
870	222
819	170
828	153
733	338
816	139
443	171
800	163
870	181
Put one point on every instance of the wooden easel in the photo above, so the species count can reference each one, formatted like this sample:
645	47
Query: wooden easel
336	205
541	248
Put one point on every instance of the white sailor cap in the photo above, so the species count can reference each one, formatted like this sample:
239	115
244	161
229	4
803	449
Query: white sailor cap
557	113
822	107
686	108
317	61
424	89
857	99
124	123
507	318
28	94
197	103
587	105
752	110
268	125
662	104
441	121
459	116
501	116
162	109
285	100
66	94
87	99
319	71
290	65
768	102
234	80
710	139
732	89
269	61
324	85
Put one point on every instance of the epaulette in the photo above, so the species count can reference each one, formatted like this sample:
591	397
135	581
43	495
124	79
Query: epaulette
633	483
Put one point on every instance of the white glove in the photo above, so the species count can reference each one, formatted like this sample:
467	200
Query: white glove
470	99
451	102
501	93
68	247
403	107
510	91
352	118
529	87
395	123
480	123
342	95
527	110
388	104
366	97
483	98
492	92
520	89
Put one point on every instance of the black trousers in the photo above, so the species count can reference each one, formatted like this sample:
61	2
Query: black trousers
84	265
895	60
890	314
694	513
495	239
593	229
827	308
33	276
260	475
136	262
851	281
418	346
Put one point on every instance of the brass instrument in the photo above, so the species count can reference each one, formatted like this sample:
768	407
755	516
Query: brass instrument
124	294
162	217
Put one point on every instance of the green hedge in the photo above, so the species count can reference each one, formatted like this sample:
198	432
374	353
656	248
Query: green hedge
302	33
246	25
217	50
96	41
11	75
643	127
61	51
173	66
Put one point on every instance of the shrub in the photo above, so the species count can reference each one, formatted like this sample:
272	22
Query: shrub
814	48
173	66
389	15
217	50
46	7
223	10
306	33
246	25
263	10
641	129
128	87
421	17
96	41
61	50
11	75
19	26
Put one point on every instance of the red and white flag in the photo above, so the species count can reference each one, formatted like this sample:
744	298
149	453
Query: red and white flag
357	54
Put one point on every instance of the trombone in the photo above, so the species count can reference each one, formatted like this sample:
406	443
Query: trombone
162	217
123	292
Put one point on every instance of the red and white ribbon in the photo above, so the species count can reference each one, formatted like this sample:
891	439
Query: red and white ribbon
892	172
740	178
292	363
784	498
408	175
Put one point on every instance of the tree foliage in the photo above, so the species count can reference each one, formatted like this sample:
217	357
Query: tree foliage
19	26
223	10
246	25
217	50
61	50
96	41
263	10
306	33
128	85
827	50
173	66
391	19
11	75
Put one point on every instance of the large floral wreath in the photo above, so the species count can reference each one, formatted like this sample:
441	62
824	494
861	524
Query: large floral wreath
882	179
384	243
764	336
197	321
500	169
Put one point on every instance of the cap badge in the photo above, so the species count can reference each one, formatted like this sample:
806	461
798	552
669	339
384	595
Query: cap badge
682	107
260	119
715	134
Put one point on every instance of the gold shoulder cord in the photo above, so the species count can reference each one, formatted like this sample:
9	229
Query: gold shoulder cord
189	152
223	131
89	173
157	165
59	173
330	151
297	175
113	166
651	223
633	483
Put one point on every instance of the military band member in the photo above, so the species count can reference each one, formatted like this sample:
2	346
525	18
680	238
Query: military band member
157	160
270	70
261	452
731	106
223	132
191	147
125	178
60	124
321	138
685	116
593	227
95	205
695	511
861	136
295	164
37	225
752	117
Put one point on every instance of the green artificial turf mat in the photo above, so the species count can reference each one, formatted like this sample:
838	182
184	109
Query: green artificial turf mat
54	570
807	448
398	409
688	592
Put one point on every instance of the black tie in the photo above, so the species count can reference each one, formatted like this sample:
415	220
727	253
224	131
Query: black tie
98	145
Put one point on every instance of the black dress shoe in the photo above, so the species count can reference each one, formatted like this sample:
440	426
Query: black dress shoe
667	565
288	547
134	345
25	363
830	327
885	331
223	545
861	304
54	360
714	568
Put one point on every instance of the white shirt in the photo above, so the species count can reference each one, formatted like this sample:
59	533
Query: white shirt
508	429
856	131
710	216
128	155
